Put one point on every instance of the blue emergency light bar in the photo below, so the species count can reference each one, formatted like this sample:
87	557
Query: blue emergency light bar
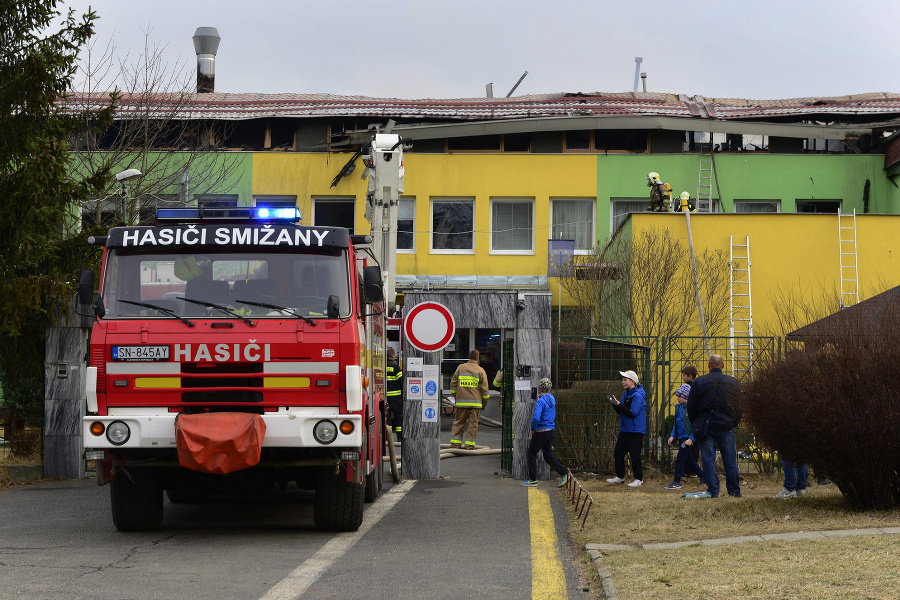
258	214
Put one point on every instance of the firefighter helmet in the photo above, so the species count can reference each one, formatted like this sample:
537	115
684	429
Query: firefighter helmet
685	196
652	178
187	267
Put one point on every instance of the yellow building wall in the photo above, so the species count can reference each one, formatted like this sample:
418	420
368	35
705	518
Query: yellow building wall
427	176
792	251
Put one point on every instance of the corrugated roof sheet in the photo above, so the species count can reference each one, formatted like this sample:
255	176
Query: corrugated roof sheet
252	106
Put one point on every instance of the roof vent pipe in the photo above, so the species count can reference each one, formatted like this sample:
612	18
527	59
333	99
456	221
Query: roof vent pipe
206	43
644	80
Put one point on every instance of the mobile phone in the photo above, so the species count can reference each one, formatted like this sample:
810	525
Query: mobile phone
611	398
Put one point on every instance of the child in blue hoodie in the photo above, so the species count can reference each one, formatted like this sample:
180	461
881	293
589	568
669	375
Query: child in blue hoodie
683	434
543	429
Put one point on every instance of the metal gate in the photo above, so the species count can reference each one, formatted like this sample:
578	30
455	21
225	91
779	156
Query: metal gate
586	371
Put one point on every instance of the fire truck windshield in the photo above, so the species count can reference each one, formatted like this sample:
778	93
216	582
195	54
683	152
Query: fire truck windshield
301	283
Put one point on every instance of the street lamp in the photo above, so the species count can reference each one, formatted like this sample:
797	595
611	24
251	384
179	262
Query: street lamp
122	178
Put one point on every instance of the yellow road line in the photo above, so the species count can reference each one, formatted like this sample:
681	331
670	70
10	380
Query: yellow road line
548	580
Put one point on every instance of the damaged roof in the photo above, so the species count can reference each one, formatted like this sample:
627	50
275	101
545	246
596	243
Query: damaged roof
224	106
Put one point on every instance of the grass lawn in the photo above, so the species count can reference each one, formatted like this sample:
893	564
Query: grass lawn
852	567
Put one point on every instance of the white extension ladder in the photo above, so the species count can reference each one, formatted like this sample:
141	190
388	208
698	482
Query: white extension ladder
741	310
848	262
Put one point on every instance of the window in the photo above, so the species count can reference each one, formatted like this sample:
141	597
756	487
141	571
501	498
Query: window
100	213
512	226
148	205
334	212
578	141
474	143
216	200
620	140
406	220
725	142
819	206
573	219
621	207
275	201
756	206
453	225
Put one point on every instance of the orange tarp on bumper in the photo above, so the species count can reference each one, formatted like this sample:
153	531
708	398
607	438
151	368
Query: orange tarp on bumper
219	443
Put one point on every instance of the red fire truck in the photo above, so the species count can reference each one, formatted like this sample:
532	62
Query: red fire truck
235	348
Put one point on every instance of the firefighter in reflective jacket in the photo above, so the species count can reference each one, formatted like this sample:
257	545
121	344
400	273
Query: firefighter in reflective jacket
394	375
469	387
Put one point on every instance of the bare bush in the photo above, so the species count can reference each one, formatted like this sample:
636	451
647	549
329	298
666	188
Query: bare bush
835	403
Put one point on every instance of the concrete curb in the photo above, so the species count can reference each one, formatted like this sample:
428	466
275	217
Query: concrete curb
596	550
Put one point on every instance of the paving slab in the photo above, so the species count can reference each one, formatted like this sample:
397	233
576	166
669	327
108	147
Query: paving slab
890	530
608	547
670	545
796	535
851	532
732	540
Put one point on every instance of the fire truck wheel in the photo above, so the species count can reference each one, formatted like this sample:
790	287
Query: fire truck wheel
137	501
339	504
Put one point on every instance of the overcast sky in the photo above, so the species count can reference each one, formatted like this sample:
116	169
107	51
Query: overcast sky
450	49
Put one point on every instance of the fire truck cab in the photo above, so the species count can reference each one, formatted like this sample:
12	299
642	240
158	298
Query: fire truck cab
234	348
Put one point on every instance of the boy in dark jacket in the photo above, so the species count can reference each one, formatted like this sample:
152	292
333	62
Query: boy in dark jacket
682	433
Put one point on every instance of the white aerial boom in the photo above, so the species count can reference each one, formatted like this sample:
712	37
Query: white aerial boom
385	164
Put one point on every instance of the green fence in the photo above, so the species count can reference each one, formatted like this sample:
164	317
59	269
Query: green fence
586	370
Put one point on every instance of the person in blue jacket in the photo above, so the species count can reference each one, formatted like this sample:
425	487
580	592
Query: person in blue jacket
632	411
543	429
683	435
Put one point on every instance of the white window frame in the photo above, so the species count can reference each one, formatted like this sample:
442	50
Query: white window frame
413	249
777	204
513	200
431	232
593	232
612	209
275	200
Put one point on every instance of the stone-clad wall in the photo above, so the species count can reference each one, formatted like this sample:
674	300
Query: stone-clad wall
64	402
481	309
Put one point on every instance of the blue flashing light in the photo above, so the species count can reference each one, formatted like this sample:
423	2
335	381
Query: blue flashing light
277	214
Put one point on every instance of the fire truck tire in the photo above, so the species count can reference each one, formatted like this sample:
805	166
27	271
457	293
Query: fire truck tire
339	504
137	501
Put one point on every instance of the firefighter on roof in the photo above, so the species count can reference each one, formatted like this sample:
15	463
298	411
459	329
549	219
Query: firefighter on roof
684	203
469	387
394	375
660	193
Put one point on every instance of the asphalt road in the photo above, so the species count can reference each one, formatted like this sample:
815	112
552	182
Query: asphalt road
466	535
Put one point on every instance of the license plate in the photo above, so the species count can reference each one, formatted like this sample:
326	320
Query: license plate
140	352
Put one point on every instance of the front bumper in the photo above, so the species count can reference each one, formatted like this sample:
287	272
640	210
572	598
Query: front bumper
287	428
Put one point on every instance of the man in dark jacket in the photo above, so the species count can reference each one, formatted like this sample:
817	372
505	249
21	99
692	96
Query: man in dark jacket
394	375
714	398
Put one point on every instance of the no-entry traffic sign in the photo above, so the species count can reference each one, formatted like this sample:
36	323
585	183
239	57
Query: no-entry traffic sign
429	326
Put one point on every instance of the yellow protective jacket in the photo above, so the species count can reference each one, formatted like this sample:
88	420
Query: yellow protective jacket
469	386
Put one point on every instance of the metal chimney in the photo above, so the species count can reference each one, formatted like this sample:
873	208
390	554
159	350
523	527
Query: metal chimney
206	43
637	70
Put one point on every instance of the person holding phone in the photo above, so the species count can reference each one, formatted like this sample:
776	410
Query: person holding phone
632	411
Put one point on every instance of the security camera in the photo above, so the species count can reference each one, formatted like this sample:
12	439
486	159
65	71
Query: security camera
128	174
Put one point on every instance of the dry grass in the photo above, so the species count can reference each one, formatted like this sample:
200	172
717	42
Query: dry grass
857	567
827	568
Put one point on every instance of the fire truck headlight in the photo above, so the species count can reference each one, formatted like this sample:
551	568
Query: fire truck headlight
325	432
117	433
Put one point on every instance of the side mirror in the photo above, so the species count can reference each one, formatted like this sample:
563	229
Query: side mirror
334	307
85	286
372	284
